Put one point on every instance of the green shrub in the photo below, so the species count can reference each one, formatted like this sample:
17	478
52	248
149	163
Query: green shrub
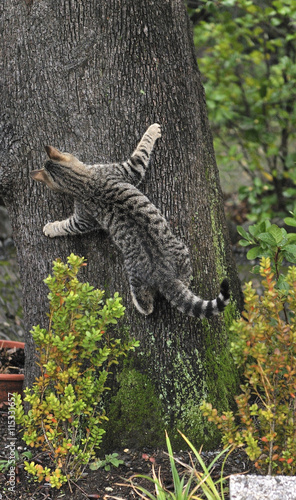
265	348
269	240
75	353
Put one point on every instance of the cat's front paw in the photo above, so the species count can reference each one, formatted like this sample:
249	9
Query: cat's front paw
155	130
50	230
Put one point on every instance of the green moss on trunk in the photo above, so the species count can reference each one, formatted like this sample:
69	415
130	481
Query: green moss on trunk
142	408
136	416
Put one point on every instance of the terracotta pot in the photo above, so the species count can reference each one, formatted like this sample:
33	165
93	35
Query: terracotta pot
10	383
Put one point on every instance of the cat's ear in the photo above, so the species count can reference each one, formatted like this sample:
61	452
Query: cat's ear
39	175
55	154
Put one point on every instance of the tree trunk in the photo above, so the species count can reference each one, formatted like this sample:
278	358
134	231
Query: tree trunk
88	78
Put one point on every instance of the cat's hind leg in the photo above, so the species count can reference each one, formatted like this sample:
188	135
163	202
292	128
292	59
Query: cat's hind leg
184	268
143	298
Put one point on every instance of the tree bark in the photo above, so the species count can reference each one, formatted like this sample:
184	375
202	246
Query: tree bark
89	78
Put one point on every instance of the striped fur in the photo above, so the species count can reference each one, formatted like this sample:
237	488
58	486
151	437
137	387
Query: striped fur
107	197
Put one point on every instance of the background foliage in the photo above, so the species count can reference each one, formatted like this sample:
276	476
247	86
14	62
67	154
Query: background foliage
247	56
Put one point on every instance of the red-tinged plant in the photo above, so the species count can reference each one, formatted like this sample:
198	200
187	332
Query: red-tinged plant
75	352
265	349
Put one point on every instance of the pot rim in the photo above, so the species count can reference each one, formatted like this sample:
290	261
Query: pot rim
11	343
12	376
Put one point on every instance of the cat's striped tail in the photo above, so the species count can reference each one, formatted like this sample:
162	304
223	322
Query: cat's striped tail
180	296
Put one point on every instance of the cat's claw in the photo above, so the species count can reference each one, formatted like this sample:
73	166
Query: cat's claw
155	130
49	230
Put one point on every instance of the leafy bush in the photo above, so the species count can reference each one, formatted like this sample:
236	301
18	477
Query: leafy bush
269	240
265	349
75	353
247	55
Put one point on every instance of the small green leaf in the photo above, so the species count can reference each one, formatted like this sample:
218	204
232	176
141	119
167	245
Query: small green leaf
290	221
245	243
291	237
268	239
282	284
290	257
277	233
290	249
243	232
254	253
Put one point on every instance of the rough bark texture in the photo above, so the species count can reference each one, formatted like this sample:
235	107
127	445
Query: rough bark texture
88	77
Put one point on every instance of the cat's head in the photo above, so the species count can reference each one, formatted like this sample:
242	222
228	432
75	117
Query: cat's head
60	172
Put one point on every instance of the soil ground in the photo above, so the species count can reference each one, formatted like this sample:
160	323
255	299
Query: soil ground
103	484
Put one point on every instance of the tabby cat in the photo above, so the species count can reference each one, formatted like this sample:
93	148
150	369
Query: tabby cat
107	197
